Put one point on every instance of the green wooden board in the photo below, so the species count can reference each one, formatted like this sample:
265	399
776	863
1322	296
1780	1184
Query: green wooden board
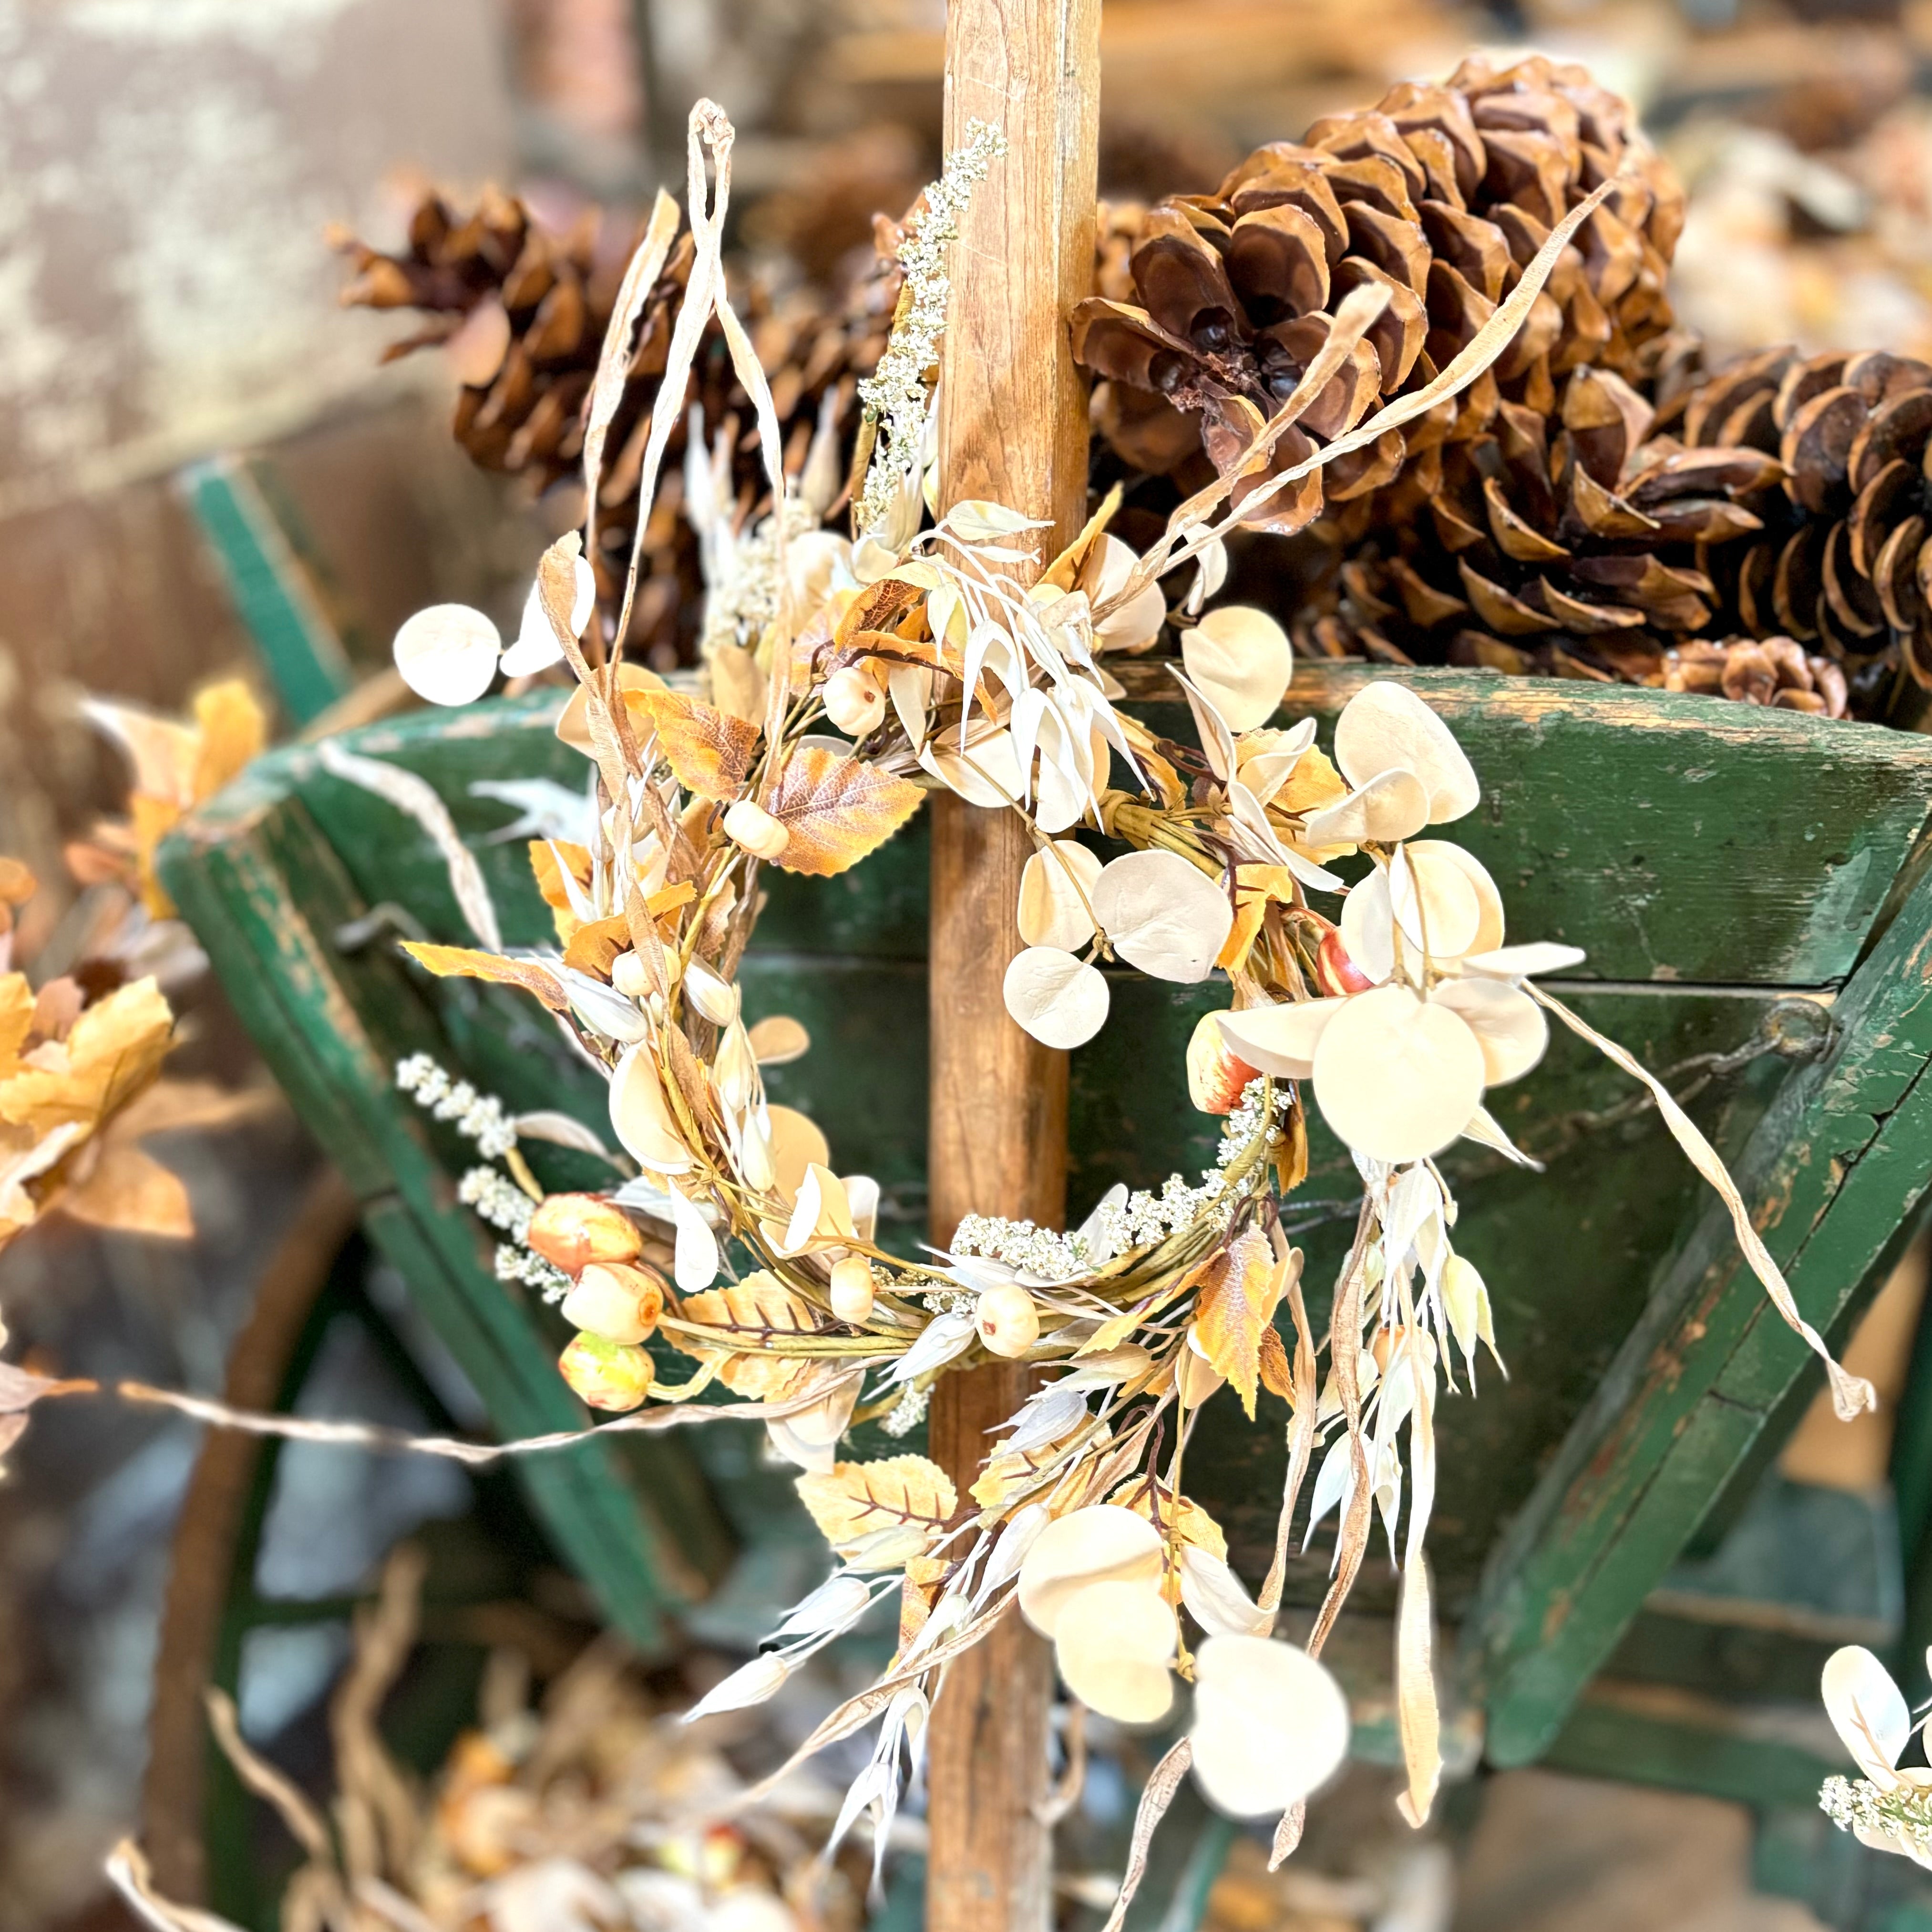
1713	861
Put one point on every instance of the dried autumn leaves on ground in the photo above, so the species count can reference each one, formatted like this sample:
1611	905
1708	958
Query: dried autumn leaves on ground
956	650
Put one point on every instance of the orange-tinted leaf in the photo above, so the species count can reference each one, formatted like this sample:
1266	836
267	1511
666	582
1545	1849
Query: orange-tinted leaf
594	945
16	1017
132	1193
464	962
883	606
1237	1299
837	810
545	854
1277	1376
17	882
233	732
709	750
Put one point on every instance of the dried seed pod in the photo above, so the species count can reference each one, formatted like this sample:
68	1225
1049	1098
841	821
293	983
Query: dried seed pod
606	1375
1007	1319
571	1230
753	827
617	1300
1216	1076
852	1288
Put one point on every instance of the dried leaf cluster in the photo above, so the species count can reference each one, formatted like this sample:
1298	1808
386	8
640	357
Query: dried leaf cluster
955	654
593	1807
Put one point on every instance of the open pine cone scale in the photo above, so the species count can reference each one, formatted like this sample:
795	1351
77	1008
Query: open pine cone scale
1844	562
1442	194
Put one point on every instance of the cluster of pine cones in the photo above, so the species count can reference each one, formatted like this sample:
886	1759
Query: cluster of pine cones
1599	505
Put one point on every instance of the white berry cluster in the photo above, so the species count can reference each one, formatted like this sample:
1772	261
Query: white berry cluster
477	1116
895	393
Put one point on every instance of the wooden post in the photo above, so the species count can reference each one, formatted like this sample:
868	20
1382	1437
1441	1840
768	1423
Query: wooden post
1013	427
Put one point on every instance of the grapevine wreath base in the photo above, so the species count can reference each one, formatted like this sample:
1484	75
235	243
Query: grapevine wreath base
932	650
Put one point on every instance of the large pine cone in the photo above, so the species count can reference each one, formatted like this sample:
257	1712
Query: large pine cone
1442	193
1577	544
1843	563
524	310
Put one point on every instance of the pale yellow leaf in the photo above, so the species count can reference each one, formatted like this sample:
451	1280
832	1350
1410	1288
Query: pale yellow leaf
464	962
709	750
1243	1285
859	1500
836	809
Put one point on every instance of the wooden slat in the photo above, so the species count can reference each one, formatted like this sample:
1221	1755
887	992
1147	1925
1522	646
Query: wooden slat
1837	1166
1013	428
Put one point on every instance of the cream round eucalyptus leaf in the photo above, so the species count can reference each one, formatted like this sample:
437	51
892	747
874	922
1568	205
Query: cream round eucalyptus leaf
1104	1544
779	1039
1385	728
1136	624
1390	805
1113	1642
640	1116
1282	1038
537	646
1368	926
1434	900
1270	1725
1215	1597
1241	658
448	654
1527	961
1056	891
1433	853
1867	1711
1509	1025
797	1146
1163	914
1396	1077
1059	1000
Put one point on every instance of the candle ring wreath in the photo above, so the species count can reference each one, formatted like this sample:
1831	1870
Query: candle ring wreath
846	679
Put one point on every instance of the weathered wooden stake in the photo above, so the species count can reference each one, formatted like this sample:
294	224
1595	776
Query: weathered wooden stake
1013	427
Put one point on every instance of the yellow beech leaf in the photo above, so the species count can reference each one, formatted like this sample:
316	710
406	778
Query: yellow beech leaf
709	750
1112	1332
152	819
1313	784
1277	1374
17	1016
465	962
592	946
883	606
836	809
760	1305
132	1193
1238	1294
111	1052
857	1501
1192	1522
232	731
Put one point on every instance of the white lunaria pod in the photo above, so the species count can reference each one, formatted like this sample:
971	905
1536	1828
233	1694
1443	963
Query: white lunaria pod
750	1684
1104	575
1061	1000
1280	1039
1215	1598
1270	1725
1385	728
1490	901
1056	893
796	1144
1007	1319
1103	1544
1114	1643
715	997
1509	1025
448	653
1396	1077
1163	914
1240	658
1022	1531
820	1214
855	702
1368	926
641	1117
754	828
538	647
779	1039
852	1291
1526	961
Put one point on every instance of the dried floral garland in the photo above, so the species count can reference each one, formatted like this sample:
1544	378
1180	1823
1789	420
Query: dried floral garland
946	656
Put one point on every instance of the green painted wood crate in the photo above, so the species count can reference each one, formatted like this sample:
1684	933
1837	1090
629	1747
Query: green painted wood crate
1751	889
